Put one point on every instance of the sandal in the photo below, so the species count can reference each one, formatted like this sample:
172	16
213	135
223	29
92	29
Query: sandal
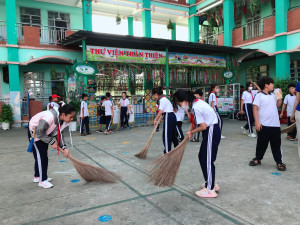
253	163
281	167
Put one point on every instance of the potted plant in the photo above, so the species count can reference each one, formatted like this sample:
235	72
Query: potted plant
118	19
170	25
6	116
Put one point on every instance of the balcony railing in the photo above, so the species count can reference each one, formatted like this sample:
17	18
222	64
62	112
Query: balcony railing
253	29
3	33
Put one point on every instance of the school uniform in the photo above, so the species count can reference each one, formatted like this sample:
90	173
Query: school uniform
108	113
169	131
124	108
46	124
270	131
179	117
204	113
248	97
289	100
213	98
102	115
85	121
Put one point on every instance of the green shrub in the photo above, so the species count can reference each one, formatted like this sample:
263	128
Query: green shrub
7	114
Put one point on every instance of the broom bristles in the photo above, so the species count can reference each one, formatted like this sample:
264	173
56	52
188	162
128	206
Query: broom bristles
142	154
164	169
289	128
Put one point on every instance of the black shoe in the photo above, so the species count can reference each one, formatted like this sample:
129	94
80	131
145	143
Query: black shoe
88	133
253	163
83	134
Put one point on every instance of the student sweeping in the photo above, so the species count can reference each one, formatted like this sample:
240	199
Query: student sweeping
246	107
48	124
166	109
124	106
101	114
198	95
267	125
288	104
109	113
208	122
84	116
212	100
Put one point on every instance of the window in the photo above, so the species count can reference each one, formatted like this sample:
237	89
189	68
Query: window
295	70
261	71
35	84
58	19
30	16
254	26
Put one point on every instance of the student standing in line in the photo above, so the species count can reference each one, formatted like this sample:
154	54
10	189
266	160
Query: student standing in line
212	101
101	114
166	109
288	104
48	105
246	106
198	95
84	116
208	122
54	102
267	125
296	113
124	106
109	113
48	124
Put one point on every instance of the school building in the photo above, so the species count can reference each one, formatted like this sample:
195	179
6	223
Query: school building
37	52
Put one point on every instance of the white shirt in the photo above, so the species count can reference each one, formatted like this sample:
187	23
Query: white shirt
54	104
248	97
212	98
124	102
107	105
267	109
289	100
84	106
165	105
48	105
204	113
179	114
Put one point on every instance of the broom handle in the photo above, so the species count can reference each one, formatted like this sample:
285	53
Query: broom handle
154	130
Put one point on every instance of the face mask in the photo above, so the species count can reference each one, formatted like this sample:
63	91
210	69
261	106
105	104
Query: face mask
250	88
185	107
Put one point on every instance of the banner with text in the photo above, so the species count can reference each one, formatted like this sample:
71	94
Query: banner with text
196	60
108	54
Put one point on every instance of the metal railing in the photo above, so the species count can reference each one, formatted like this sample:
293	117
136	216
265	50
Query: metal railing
3	33
253	29
211	39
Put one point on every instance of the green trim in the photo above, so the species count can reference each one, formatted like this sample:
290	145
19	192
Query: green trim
83	51
130	25
167	72
173	32
87	15
146	18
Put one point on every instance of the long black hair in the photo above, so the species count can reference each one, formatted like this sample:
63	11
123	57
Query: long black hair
157	90
212	87
182	95
66	109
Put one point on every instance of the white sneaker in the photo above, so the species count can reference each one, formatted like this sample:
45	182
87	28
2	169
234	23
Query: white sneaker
244	130
37	179
205	193
45	184
223	137
217	187
252	135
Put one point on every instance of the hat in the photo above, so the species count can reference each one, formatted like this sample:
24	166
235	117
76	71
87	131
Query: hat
55	96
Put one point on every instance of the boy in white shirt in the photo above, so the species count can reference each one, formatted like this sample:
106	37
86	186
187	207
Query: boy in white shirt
267	125
124	107
109	113
288	104
84	116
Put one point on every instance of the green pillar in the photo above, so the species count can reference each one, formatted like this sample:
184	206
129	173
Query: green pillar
130	25
167	72
84	60
193	23
87	15
283	59
228	12
146	18
12	58
173	32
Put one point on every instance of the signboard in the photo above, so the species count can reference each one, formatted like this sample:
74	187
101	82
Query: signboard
196	60
107	54
225	105
84	68
228	74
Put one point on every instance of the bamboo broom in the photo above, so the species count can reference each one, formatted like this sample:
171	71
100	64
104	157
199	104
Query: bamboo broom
92	173
164	169
142	154
289	128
